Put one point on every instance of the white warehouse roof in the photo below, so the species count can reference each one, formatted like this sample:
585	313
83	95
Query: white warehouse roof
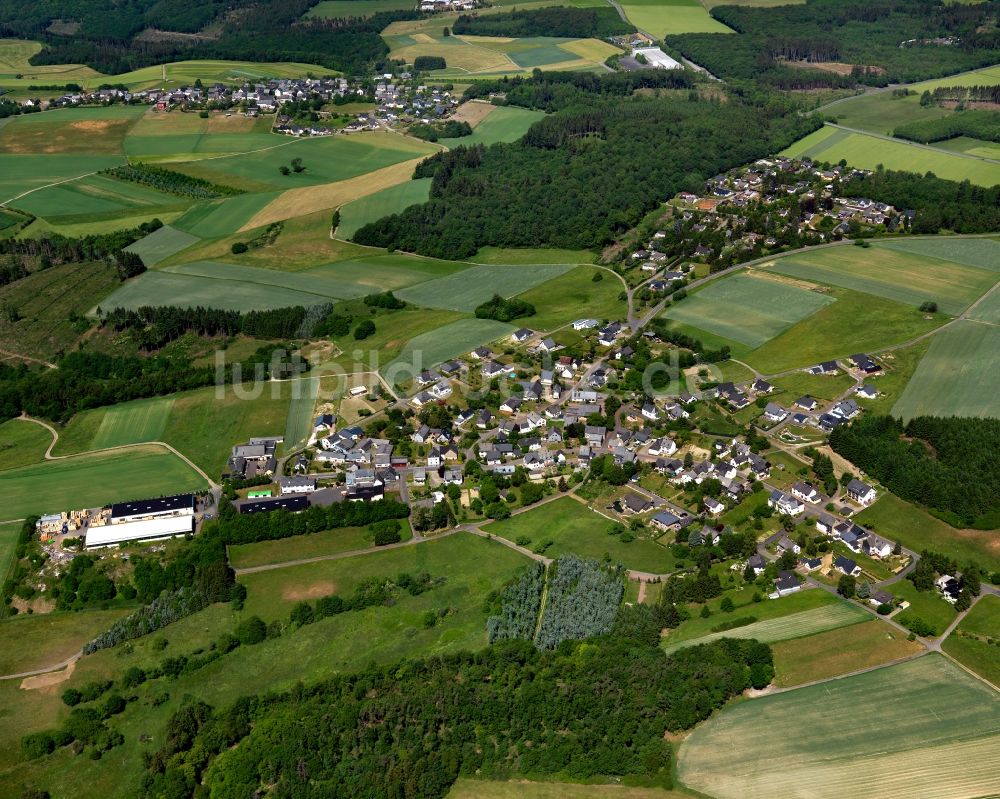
657	58
164	527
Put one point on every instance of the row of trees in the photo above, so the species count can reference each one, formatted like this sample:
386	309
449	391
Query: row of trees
167	180
569	22
450	129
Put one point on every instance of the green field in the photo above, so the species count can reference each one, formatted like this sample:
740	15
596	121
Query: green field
70	130
861	150
988	310
984	253
881	112
915	529
92	480
919	728
466	290
393	200
528	255
974	650
21	444
299	419
573	294
573	527
504	124
443	343
959	375
328	542
747	309
893	274
856	322
222	217
133	422
38	640
20	174
166	146
97	197
796	625
667	17
969	146
468	788
8	543
339	9
162	244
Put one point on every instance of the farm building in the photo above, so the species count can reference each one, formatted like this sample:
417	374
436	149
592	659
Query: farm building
143	520
655	57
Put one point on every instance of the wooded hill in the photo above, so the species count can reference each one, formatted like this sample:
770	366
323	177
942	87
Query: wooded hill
585	174
905	40
573	23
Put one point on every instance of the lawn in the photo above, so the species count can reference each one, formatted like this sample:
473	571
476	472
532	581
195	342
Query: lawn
443	343
392	200
94	480
856	322
567	297
915	529
667	17
969	643
866	152
245	556
900	366
959	375
782	628
161	244
573	527
21	444
892	274
840	651
926	605
923	723
748	309
504	124
466	290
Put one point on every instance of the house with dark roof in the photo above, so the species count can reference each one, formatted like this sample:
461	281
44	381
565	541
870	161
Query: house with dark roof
846	566
862	493
786	583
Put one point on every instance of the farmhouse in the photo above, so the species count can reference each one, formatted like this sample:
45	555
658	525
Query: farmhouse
144	520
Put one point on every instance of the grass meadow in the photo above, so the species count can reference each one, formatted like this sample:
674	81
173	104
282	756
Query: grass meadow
504	124
328	542
894	274
984	253
22	443
222	217
20	174
882	113
973	648
922	723
161	244
70	130
443	343
865	151
468	788
393	200
748	309
8	543
466	290
959	375
573	294
573	527
666	17
38	640
96	197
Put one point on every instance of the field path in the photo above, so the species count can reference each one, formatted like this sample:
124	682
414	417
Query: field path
28	358
55	440
47	185
45	669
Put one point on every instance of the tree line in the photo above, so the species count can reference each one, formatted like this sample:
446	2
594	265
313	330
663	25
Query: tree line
975	123
167	180
562	21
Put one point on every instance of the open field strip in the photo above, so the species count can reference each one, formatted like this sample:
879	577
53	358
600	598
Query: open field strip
665	17
981	252
162	244
959	375
217	218
986	76
443	343
469	788
921	728
868	151
474	286
309	199
807	622
91	480
505	124
747	309
892	273
393	200
310	545
133	422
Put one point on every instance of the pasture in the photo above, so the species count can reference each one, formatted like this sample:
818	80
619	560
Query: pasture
970	642
840	651
868	151
93	480
882	112
161	244
443	343
97	197
747	308
784	628
21	174
959	375
892	273
474	286
666	17
984	253
21	444
70	130
915	529
217	218
328	542
393	200
504	124
922	723
573	527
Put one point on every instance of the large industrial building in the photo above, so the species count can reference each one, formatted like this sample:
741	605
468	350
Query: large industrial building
164	517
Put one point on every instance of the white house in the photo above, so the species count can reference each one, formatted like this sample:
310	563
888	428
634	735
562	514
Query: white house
862	493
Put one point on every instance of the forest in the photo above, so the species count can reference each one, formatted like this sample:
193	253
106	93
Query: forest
167	180
583	600
938	204
572	181
514	610
948	465
583	711
888	41
975	123
568	22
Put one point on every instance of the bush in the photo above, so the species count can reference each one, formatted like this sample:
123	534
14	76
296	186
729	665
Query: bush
387	532
238	247
884	609
364	330
71	697
252	631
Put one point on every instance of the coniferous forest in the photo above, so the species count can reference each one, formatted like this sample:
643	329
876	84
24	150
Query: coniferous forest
574	23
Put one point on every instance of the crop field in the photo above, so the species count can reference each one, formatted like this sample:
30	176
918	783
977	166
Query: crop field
70	130
970	146
973	649
91	480
856	322
182	146
797	625
162	244
840	651
97	196
298	421
988	310
133	422
339	9
165	123
865	151
984	253
505	124
389	201
882	113
566	297
959	375
747	309
20	174
665	17
326	159
222	217
21	444
466	290
893	274
443	343
573	527
924	726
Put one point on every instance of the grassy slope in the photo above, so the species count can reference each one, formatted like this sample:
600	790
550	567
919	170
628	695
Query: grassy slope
21	444
244	556
574	294
983	622
466	290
